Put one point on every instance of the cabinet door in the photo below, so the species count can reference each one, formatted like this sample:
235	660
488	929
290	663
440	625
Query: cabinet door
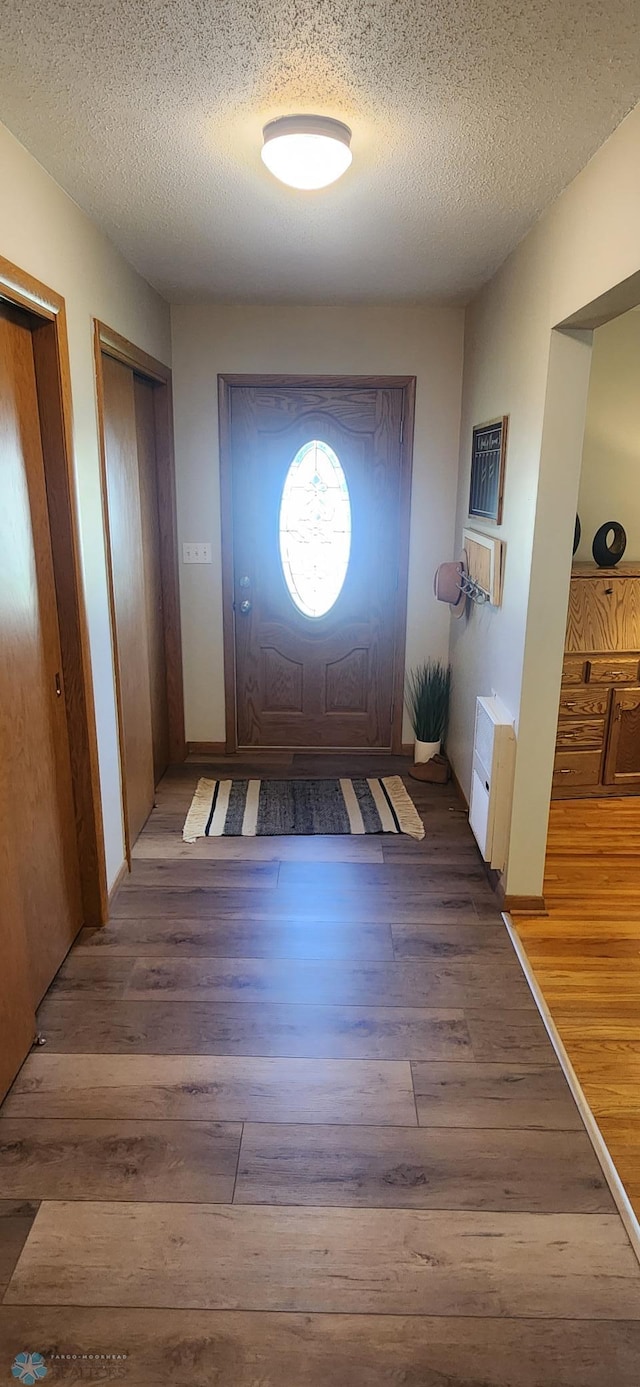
604	614
622	766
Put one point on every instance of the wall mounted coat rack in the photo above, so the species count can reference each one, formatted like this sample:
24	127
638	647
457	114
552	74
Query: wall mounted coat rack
478	574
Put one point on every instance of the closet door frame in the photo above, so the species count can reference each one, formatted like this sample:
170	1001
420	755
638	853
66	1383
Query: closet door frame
46	309
107	342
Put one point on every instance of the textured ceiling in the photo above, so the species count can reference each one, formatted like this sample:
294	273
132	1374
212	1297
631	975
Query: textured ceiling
468	117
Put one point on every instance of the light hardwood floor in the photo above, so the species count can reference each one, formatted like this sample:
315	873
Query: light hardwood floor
297	1120
586	956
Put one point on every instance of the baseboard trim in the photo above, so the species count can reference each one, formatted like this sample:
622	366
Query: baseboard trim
620	1196
206	749
269	752
458	788
523	905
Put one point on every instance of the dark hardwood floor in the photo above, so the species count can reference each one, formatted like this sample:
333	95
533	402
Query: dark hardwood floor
297	1120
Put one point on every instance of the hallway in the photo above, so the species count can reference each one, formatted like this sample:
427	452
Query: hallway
297	1119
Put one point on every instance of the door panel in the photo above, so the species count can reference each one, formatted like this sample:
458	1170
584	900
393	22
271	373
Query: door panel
623	752
129	599
604	614
317	681
144	393
35	744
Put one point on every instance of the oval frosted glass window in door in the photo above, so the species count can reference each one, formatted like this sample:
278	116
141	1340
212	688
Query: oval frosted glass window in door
315	529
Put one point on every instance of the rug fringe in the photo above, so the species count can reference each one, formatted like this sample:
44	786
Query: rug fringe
196	820
405	810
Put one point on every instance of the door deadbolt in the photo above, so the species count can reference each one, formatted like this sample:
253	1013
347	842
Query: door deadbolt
245	581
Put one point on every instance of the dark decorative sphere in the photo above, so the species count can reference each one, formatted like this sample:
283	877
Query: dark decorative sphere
606	554
577	534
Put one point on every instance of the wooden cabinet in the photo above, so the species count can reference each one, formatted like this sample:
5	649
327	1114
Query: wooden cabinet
598	741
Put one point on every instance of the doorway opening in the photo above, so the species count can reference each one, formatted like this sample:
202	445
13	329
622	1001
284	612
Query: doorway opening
139	507
584	952
598	738
53	868
315	490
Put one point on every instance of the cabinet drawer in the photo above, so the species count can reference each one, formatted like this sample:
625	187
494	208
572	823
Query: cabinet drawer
613	669
584	735
576	768
573	669
583	702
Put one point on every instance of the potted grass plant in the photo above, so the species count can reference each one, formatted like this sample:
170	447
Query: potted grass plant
427	691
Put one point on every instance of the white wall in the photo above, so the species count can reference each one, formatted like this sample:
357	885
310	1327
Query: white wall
425	342
610	478
586	243
45	233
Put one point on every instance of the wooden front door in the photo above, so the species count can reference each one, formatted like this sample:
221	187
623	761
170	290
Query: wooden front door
34	744
316	481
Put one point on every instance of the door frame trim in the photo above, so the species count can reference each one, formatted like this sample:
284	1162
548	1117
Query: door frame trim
226	383
53	382
110	343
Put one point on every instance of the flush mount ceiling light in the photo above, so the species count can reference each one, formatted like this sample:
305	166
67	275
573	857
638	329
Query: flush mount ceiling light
307	151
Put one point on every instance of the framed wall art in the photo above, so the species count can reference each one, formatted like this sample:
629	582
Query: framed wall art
488	458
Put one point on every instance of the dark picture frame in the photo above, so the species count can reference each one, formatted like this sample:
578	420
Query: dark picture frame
488	461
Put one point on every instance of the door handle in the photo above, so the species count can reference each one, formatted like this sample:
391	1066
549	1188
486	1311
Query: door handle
245	607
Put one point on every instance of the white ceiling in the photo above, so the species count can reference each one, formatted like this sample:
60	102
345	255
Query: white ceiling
468	117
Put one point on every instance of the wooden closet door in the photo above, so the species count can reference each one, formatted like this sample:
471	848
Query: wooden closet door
128	590
34	742
144	392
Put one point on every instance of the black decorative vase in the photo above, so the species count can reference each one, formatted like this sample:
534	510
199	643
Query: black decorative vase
577	533
606	554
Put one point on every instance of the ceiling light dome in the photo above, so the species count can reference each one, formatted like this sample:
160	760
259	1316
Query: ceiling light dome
307	151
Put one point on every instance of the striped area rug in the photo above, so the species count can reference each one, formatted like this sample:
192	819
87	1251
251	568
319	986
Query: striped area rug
269	808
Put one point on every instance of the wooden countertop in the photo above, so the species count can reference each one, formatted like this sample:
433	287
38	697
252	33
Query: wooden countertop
591	570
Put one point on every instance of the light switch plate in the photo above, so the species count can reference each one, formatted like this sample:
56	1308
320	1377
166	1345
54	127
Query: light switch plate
196	553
